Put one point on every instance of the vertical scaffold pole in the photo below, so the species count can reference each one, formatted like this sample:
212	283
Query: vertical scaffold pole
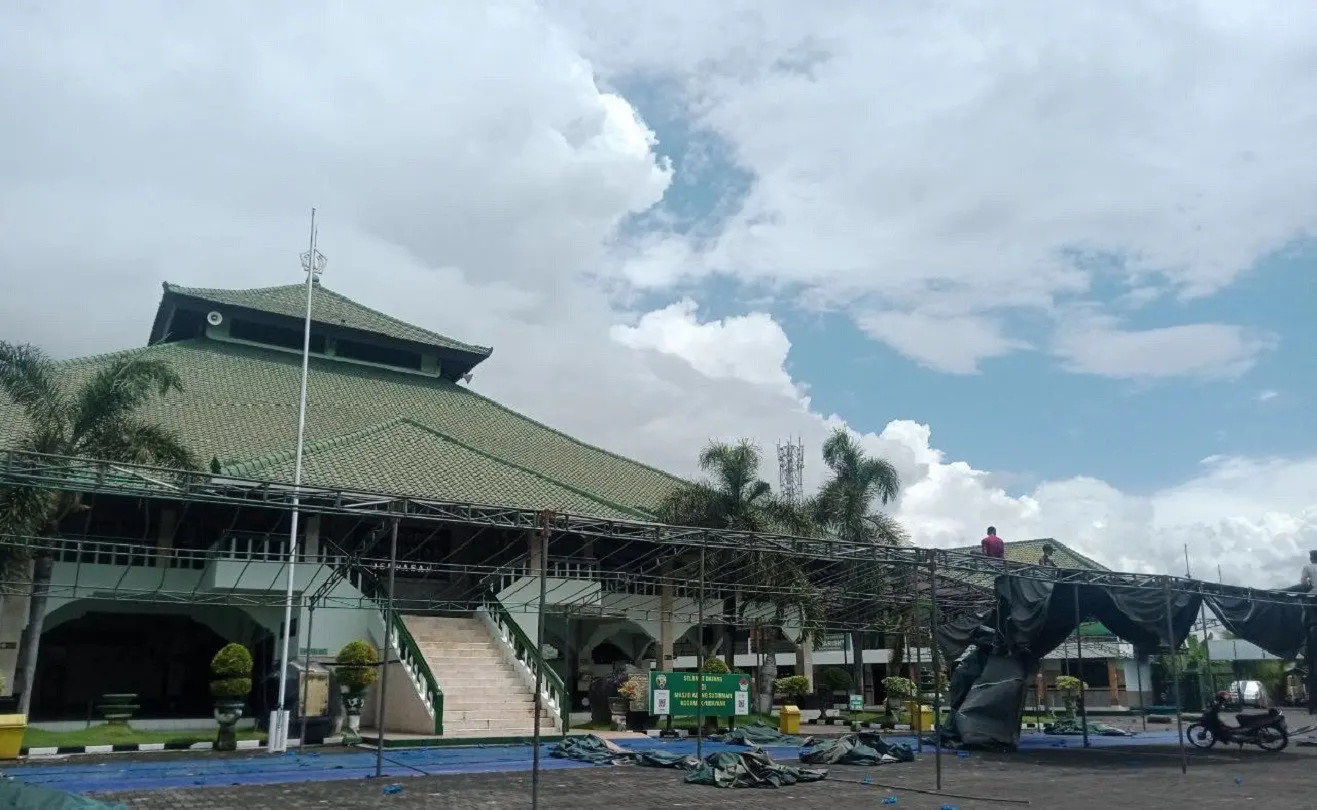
937	668
699	665
1175	675
389	619
1079	655
538	658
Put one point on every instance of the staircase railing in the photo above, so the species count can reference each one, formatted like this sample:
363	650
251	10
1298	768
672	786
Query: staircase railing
350	568
530	656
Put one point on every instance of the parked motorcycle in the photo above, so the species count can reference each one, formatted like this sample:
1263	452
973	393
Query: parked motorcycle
1266	730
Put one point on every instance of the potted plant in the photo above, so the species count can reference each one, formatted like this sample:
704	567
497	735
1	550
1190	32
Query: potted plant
899	690
635	691
358	667
231	682
1069	686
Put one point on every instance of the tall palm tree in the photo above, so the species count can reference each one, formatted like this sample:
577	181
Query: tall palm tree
97	421
845	507
734	497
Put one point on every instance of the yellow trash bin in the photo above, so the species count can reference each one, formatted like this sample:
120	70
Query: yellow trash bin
12	727
788	720
921	717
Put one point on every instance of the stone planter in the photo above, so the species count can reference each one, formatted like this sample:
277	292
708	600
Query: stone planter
352	704
618	706
227	714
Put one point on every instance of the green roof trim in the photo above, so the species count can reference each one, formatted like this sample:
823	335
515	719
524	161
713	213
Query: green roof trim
327	307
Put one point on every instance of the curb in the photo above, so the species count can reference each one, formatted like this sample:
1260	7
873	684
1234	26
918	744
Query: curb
131	748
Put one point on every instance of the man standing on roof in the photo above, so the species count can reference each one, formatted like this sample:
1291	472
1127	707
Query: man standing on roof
1309	578
1046	560
992	545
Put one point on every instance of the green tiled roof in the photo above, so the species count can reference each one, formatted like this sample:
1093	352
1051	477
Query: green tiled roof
327	307
1029	552
371	428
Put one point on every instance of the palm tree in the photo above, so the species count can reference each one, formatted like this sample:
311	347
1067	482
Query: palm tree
734	497
844	506
97	421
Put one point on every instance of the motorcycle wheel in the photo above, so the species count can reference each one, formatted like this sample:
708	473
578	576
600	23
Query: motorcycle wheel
1272	739
1199	736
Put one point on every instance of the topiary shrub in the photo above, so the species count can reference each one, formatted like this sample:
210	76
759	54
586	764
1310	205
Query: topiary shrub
231	672
358	664
715	666
794	687
834	679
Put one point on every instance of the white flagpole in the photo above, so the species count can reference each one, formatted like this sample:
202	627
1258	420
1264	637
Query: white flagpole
314	263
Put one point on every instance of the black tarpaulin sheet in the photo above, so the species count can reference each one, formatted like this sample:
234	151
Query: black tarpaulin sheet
957	636
1037	615
757	734
989	714
596	750
855	749
22	796
750	769
1277	628
1032	618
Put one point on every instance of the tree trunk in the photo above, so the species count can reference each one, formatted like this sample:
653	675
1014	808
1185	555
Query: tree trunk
25	669
729	633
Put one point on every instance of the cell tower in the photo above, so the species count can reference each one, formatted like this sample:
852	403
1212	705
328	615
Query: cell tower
791	470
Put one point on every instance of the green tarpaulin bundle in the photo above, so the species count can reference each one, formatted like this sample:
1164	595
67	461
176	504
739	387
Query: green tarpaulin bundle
15	795
1069	726
758	734
855	749
596	750
749	769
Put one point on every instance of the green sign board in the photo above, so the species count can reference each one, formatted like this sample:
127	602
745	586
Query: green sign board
857	703
678	694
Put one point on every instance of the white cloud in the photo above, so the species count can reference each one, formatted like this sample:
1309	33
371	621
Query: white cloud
979	156
471	176
751	348
950	342
1267	395
1096	345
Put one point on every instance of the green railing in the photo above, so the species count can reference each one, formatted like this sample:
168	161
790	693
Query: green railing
419	671
529	655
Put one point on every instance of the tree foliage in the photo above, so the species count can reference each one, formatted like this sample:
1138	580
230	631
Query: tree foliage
97	420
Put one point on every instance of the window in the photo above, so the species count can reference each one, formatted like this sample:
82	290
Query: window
275	336
382	355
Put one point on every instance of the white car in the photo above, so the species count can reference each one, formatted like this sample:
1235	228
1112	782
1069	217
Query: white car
1249	693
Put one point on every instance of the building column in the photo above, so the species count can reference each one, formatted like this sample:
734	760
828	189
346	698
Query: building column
805	661
535	547
311	540
13	618
165	536
666	641
1113	681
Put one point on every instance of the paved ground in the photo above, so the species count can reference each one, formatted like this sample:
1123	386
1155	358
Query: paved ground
1048	778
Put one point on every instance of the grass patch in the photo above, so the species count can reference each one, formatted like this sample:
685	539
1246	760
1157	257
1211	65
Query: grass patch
122	735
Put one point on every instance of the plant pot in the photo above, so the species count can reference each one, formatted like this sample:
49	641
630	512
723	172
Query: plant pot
352	704
618	706
227	713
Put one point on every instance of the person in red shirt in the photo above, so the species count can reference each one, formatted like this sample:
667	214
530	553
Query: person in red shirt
992	545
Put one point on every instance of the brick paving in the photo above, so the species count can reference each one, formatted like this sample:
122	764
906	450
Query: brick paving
1054	778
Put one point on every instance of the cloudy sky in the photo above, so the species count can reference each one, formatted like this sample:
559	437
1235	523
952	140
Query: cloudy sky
1054	260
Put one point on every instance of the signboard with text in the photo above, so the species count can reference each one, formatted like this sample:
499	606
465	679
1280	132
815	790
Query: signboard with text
679	694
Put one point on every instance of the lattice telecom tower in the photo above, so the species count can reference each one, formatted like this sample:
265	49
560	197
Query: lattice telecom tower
791	470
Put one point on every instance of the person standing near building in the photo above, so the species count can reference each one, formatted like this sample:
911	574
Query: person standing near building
992	545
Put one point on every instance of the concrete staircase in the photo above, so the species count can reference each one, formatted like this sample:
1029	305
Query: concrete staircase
484	694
